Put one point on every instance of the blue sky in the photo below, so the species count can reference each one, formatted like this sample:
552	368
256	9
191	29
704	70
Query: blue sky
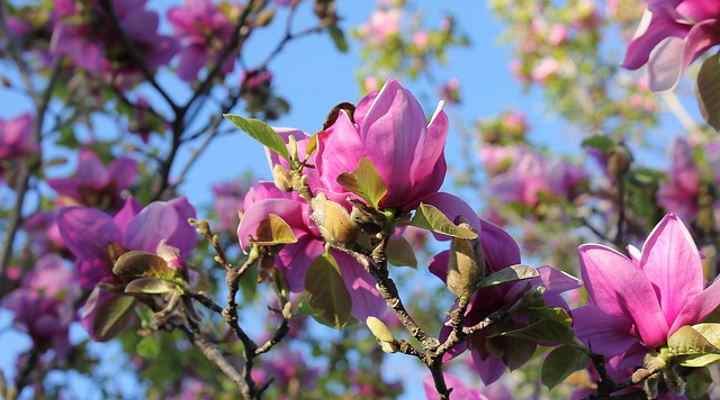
314	77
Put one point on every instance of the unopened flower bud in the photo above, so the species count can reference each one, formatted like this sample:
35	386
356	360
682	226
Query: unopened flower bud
333	220
382	334
463	270
281	178
265	17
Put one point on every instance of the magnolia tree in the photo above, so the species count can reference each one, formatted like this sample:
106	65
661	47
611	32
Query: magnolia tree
525	278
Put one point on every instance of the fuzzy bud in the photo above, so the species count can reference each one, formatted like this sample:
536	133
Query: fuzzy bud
463	269
382	334
281	178
333	220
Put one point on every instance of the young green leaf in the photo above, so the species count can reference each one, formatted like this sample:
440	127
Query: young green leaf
149	286
400	252
135	263
327	295
148	347
273	231
430	218
365	182
688	341
261	132
512	273
708	87
338	38
562	362
111	316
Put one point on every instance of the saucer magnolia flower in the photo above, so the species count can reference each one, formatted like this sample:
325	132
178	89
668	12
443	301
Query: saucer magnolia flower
203	29
85	32
227	202
390	129
44	303
461	392
500	251
16	137
636	303
294	259
96	239
672	34
94	184
679	194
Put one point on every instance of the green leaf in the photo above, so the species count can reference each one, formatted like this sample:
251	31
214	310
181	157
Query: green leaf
327	295
600	142
110	317
273	231
698	361
708	87
400	252
688	341
710	331
338	38
150	286
148	347
463	272
136	263
512	273
562	362
365	182
430	218
261	132
516	352
546	325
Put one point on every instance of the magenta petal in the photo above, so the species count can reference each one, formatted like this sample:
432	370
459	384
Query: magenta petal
459	390
366	301
130	209
439	265
618	287
295	259
455	209
620	367
603	333
672	263
290	211
87	232
490	368
654	28
162	220
123	172
698	307
339	151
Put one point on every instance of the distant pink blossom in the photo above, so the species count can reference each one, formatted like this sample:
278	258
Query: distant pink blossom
383	24
421	39
16	137
202	29
228	202
680	192
546	68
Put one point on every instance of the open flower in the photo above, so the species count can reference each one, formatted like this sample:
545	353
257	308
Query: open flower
96	240
672	34
203	29
499	251
294	259
44	303
462	392
390	129
636	303
93	184
679	194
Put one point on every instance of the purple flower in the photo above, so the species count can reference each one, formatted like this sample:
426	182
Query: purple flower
93	184
294	259
44	303
16	137
390	129
96	239
679	194
202	28
636	303
228	203
500	251
671	35
84	31
43	232
459	390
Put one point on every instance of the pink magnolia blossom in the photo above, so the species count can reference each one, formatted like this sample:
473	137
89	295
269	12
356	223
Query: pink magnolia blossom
44	303
679	194
672	34
94	184
500	251
390	129
421	39
545	69
202	29
450	91
43	231
636	303
497	159
94	238
84	32
16	137
383	24
294	259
